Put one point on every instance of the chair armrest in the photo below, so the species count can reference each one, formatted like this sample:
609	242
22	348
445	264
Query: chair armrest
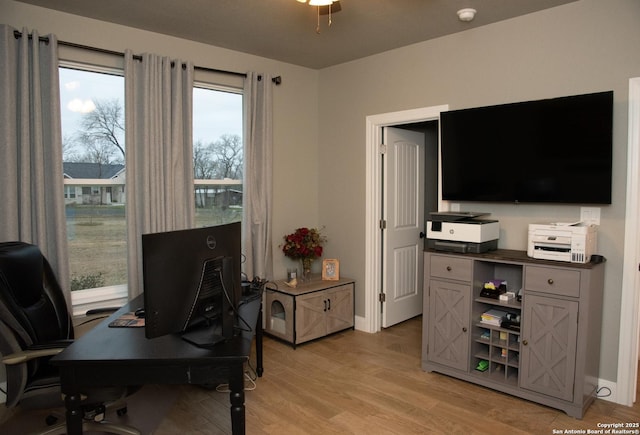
105	310
97	314
37	351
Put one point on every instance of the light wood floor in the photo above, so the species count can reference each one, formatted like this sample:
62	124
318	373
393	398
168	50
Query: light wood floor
360	383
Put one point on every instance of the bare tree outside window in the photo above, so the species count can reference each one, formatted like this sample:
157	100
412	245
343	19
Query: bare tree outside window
92	109
217	156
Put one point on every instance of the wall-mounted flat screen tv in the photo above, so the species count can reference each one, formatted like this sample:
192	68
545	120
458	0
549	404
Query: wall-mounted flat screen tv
556	150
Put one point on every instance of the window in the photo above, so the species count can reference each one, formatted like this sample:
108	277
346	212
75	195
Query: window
217	155
69	192
92	116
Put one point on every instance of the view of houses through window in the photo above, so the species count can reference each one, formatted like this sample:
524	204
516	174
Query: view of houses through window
92	108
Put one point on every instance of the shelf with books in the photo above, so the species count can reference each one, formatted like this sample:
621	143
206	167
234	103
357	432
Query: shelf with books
495	351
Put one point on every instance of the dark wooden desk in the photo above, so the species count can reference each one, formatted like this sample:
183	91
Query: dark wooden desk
124	356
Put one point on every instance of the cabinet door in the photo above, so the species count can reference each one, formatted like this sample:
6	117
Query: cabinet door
311	318
339	308
548	348
449	314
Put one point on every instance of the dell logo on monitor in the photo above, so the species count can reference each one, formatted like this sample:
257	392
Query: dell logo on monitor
211	242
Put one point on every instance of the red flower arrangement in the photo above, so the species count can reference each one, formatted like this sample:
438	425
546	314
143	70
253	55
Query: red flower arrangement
304	243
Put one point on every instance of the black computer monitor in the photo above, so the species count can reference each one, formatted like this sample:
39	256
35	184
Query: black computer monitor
192	283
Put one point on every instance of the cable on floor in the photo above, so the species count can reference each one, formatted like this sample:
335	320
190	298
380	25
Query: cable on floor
607	394
250	376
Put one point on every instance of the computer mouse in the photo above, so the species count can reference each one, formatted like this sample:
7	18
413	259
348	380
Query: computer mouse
139	313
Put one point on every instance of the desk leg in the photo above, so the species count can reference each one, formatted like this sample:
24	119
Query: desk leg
236	396
260	368
74	413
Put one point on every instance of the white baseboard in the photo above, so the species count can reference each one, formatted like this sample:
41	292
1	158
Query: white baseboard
361	324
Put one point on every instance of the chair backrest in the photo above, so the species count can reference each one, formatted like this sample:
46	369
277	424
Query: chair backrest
33	310
30	291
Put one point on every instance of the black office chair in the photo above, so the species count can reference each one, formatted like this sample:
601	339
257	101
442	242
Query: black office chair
34	326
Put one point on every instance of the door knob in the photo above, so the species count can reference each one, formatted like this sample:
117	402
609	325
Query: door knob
422	235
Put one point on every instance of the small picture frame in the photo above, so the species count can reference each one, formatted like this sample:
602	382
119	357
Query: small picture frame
330	269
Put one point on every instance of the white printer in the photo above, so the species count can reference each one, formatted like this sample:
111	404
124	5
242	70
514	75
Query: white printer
462	232
571	242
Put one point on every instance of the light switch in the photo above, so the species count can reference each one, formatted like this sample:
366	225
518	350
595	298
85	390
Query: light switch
590	215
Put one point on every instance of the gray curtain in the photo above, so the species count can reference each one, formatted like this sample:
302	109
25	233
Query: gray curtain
258	190
31	193
159	152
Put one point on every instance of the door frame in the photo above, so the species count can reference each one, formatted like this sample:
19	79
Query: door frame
627	377
373	204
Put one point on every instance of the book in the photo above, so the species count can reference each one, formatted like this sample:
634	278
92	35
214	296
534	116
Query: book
493	317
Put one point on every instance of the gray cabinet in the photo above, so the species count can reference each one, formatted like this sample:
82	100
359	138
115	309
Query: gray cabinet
549	346
449	337
551	358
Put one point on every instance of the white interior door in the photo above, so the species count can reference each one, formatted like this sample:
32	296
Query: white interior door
403	211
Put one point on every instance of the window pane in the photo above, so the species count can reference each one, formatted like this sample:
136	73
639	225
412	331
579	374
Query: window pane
217	156
92	108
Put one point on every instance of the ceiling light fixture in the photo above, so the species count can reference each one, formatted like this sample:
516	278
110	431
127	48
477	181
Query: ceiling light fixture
322	4
466	14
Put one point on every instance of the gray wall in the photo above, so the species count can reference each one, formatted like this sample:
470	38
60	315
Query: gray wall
581	47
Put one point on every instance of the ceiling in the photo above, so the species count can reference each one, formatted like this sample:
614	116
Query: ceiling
285	30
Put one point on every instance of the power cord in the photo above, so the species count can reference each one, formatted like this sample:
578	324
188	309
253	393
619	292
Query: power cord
257	285
250	377
603	395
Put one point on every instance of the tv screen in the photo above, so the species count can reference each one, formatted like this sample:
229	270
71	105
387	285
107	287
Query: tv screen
547	151
192	282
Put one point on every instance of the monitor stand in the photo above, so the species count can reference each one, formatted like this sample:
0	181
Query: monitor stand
206	337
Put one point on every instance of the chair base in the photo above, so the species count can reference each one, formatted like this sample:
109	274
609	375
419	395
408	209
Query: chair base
103	426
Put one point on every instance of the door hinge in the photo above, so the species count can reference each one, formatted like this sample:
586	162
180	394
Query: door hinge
382	148
382	297
383	224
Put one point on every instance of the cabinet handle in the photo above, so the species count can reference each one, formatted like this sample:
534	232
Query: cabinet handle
329	304
325	305
448	268
464	329
550	281
525	342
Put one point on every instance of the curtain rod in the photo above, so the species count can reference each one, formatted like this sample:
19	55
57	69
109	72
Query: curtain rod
276	80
